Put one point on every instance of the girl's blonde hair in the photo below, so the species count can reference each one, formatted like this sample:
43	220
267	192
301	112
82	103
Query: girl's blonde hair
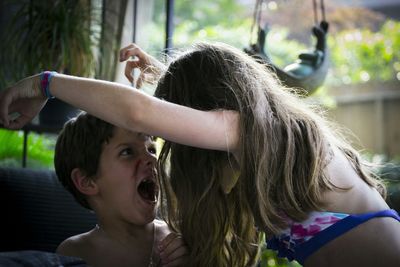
284	148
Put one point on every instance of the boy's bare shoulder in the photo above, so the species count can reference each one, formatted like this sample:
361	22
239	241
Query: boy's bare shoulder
76	246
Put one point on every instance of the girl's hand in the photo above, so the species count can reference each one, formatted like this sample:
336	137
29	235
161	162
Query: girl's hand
20	103
149	67
173	251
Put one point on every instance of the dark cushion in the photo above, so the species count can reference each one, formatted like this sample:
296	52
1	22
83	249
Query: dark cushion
38	259
37	213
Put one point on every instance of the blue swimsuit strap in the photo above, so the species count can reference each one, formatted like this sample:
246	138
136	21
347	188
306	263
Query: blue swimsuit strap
306	249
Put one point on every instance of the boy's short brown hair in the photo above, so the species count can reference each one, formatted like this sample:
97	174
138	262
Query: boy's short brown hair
79	145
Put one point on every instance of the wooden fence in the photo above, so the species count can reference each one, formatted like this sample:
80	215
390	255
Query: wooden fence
372	113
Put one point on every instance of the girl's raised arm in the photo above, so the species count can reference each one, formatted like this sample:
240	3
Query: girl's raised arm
124	107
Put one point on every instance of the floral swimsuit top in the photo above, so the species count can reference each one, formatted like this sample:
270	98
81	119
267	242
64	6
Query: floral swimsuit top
301	239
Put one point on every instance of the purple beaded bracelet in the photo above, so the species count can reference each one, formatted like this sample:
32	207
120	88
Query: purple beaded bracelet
45	78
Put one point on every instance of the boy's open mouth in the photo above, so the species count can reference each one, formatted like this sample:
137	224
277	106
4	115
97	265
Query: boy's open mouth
148	190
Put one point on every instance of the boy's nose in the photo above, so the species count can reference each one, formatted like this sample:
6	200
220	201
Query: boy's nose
148	159
147	164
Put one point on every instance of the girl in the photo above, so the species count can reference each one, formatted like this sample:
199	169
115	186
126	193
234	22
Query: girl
246	155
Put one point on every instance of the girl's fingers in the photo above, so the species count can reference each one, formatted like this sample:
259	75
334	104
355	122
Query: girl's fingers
19	122
133	50
177	254
139	82
128	51
172	250
176	243
168	239
4	103
130	65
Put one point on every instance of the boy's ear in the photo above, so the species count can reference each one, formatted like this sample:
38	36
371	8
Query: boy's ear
84	184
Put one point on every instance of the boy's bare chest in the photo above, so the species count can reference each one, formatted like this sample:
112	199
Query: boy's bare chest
124	256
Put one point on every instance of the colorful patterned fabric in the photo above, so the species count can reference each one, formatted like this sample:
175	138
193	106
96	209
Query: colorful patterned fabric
301	239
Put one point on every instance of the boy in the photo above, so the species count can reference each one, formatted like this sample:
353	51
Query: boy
112	171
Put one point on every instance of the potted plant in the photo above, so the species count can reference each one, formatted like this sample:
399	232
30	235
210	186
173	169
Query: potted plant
48	35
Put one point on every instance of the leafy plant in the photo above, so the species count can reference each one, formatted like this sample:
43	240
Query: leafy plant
44	35
47	35
269	258
360	55
40	149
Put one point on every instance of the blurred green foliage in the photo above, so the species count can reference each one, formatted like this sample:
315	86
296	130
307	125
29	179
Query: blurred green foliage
360	55
269	258
357	55
40	149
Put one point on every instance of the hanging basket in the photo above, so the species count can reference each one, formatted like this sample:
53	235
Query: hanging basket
308	73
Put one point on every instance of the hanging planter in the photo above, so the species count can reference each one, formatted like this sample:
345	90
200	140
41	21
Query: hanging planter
308	73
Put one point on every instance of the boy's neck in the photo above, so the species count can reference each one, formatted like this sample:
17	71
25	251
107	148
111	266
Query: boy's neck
126	234
129	240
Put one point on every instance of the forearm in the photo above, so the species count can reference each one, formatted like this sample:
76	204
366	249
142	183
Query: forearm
132	109
115	103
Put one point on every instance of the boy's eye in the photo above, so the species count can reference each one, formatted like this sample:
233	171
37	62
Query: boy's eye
126	152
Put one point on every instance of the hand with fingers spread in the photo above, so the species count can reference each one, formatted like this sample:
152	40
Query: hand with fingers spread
149	67
173	251
25	98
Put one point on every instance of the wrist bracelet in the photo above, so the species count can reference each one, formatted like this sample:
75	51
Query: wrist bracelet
45	78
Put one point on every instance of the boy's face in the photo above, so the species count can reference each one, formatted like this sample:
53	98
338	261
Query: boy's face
126	178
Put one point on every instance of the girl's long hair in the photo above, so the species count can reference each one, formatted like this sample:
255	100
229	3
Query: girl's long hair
284	147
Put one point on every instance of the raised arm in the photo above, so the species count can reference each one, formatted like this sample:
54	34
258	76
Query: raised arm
125	107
